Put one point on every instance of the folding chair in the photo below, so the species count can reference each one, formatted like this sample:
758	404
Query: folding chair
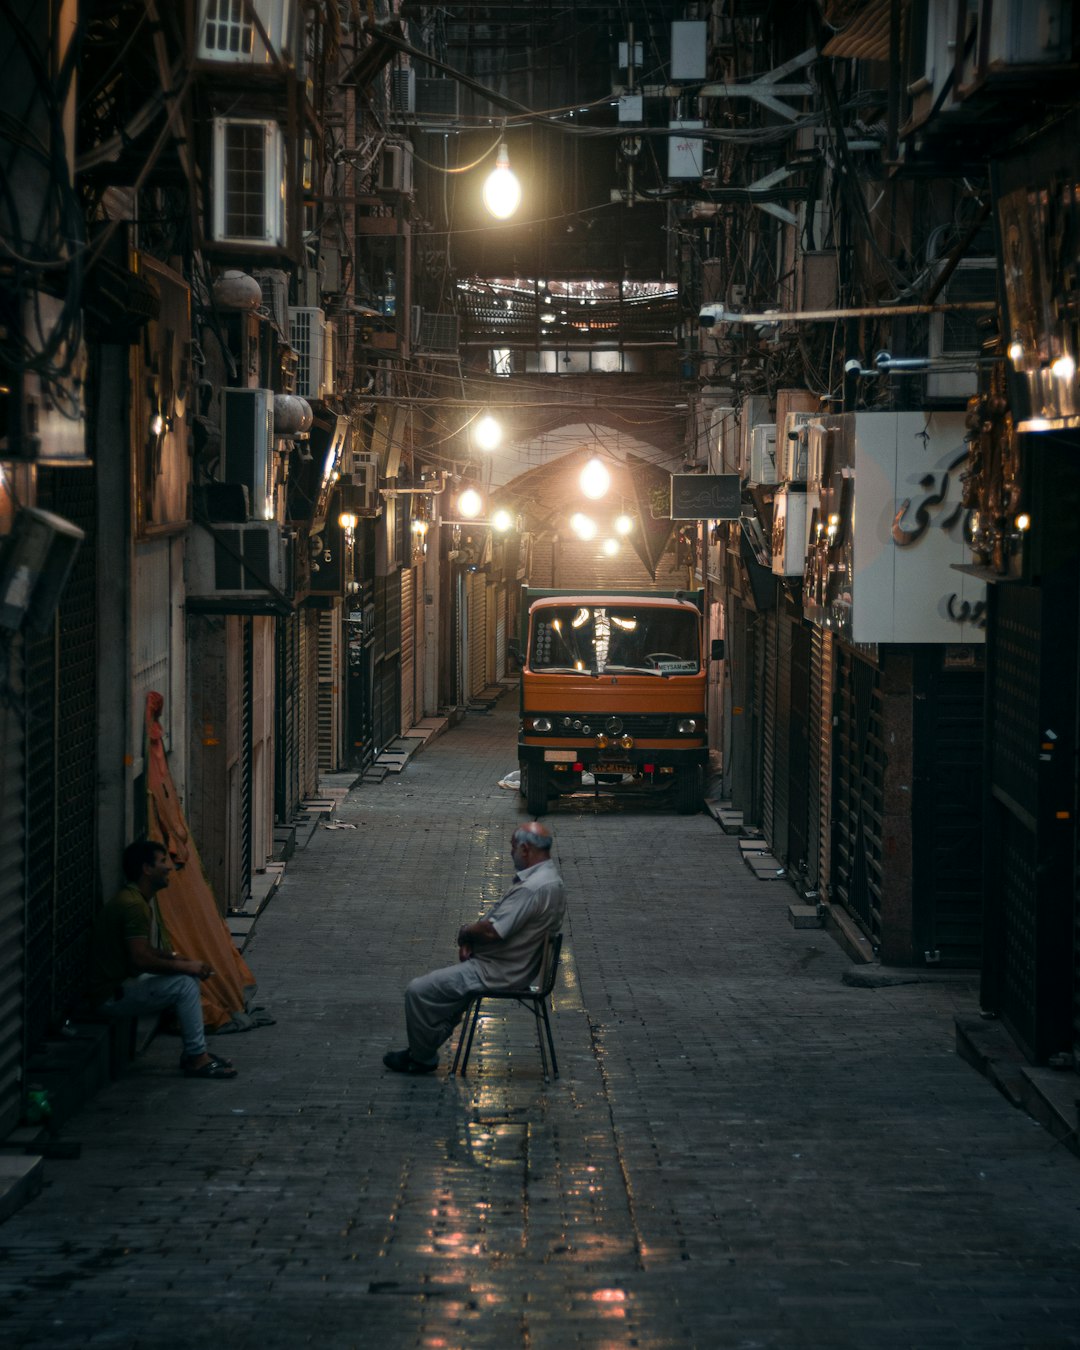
535	998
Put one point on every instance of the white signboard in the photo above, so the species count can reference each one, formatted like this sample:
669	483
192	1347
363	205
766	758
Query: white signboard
908	531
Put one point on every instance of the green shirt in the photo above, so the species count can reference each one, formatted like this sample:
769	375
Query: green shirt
127	915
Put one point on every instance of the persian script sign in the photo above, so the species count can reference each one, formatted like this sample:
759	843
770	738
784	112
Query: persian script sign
711	496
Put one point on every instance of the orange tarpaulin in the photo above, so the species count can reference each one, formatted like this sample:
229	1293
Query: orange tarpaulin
188	909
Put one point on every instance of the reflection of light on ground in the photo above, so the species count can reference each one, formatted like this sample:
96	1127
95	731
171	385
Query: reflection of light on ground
610	1302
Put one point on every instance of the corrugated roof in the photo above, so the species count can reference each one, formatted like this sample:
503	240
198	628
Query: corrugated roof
865	36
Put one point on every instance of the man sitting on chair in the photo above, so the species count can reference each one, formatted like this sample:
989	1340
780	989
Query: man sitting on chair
502	950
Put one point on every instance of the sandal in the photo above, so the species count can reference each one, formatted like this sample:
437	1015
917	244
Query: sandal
213	1068
220	1059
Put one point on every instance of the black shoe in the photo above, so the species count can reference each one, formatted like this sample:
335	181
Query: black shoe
402	1062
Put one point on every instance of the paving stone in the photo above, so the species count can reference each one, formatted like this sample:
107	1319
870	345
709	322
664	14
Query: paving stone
742	1149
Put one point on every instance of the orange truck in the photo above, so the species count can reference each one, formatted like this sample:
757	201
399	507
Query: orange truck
613	685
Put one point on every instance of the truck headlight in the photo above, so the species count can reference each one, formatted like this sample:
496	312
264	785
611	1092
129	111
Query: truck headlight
602	741
686	726
626	742
541	724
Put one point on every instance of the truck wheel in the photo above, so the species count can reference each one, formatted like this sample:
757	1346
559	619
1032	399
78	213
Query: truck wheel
534	779
688	790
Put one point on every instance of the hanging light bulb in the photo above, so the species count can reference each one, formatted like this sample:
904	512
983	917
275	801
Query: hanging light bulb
583	526
623	525
470	504
595	479
502	191
487	433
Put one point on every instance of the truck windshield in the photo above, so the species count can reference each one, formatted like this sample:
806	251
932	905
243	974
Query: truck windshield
597	639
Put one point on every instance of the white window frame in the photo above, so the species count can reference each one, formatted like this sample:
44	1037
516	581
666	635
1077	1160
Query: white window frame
226	32
273	205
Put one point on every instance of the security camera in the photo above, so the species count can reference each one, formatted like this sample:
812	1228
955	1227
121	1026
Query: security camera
710	315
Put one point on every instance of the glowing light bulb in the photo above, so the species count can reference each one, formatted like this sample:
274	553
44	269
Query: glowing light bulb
1023	522
1064	368
470	504
347	520
502	191
623	525
502	520
595	479
487	433
583	526
610	547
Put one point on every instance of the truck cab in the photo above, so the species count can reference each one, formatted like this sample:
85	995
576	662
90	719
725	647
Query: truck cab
613	685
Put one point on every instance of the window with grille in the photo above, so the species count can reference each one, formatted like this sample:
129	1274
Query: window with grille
249	181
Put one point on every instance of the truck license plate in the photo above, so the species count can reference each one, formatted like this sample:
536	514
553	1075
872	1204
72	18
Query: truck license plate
560	756
611	766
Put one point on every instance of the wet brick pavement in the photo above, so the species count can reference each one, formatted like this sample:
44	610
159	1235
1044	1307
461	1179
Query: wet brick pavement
742	1150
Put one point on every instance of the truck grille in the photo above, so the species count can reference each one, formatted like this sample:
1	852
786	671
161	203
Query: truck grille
659	725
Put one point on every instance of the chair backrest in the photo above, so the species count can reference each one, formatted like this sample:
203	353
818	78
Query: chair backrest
549	965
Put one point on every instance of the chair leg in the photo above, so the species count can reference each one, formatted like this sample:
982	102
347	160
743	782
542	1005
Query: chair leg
540	1036
472	1021
461	1039
551	1042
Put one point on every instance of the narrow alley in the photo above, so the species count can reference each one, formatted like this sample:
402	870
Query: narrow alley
742	1150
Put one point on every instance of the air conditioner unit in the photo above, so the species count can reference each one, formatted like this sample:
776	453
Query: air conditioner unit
437	98
956	336
818	452
275	296
247	446
1022	33
227	31
235	563
792	511
723	440
791	453
438	332
763	453
755	409
403	91
249	182
312	338
396	167
365	481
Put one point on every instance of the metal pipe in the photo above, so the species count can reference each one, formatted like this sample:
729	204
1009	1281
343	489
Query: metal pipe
711	315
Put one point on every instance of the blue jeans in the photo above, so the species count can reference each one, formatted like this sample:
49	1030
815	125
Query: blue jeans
145	994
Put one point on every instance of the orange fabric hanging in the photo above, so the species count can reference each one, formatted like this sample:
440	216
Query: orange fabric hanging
188	908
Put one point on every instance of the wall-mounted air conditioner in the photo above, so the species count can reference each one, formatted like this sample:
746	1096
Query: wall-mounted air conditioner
792	447
818	452
403	91
239	564
247	446
249	182
957	336
437	97
754	410
437	333
365	479
792	511
396	167
228	32
312	338
763	453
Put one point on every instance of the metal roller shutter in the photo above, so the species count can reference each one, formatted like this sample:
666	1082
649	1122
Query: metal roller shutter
408	648
769	623
859	769
782	739
246	711
309	702
287	739
330	686
477	600
819	756
799	774
12	895
500	634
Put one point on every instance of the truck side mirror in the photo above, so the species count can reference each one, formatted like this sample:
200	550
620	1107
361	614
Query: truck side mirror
717	650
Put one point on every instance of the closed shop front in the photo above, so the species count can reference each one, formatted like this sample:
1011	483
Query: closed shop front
330	687
859	783
408	647
12	893
477	630
386	700
61	773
